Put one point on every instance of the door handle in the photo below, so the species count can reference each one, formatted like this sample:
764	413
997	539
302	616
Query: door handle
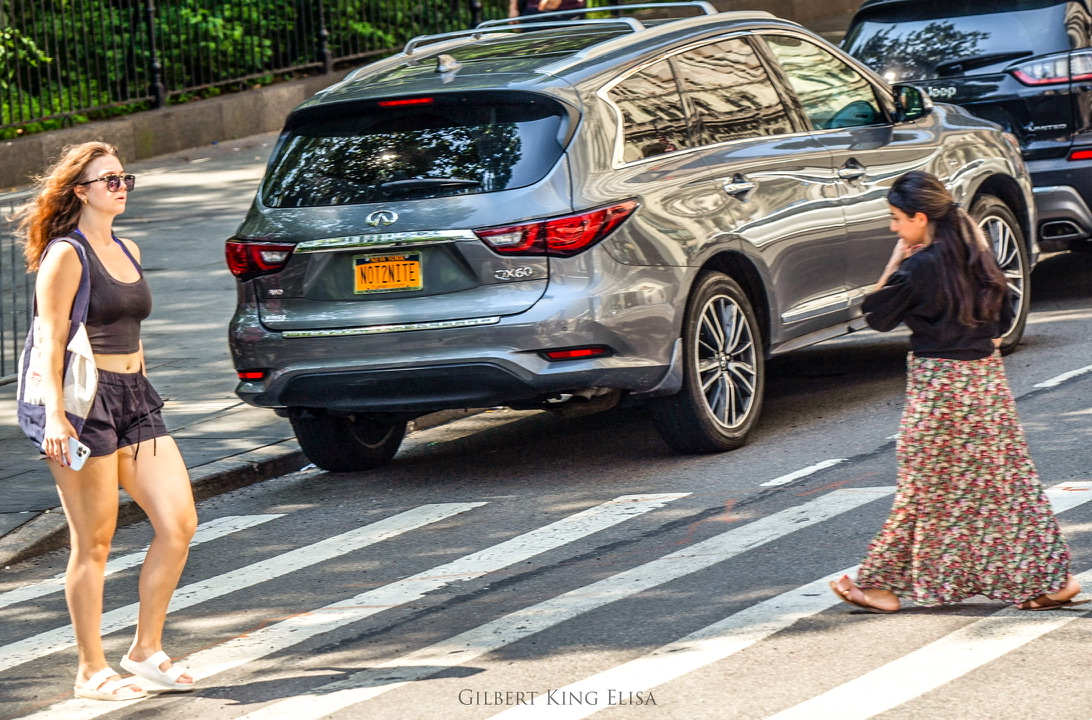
851	172
738	185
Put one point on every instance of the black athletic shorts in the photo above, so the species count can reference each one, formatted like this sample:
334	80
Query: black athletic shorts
126	412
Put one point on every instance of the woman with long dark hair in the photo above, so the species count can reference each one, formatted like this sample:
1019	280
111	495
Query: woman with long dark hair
77	201
970	516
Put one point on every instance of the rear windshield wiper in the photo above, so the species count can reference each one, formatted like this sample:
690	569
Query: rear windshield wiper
427	183
951	67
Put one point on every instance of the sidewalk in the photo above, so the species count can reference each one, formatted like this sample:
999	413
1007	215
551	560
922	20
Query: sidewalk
184	206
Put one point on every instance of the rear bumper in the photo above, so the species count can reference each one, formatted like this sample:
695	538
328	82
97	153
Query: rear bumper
637	316
1063	192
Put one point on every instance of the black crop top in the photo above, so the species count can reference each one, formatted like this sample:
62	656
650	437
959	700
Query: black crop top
913	295
115	308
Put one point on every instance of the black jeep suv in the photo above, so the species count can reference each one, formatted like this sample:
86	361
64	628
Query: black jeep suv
1024	64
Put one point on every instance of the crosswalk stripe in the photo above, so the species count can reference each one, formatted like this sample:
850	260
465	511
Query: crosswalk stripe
211	530
467	646
933	665
285	634
26	650
723	638
714	642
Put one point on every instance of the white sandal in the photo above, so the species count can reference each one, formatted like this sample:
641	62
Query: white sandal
98	687
149	670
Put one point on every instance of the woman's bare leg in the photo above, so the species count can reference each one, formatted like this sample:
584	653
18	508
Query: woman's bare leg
90	501
160	484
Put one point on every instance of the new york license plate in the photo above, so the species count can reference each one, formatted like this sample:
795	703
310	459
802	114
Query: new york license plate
387	273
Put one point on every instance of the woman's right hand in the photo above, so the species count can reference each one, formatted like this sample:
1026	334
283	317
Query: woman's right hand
55	444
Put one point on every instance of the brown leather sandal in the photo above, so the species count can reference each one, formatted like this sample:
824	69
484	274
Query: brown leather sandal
1044	602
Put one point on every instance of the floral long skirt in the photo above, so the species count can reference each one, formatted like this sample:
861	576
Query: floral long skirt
970	516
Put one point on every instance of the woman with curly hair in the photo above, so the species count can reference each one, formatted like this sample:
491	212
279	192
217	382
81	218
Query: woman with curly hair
969	516
77	202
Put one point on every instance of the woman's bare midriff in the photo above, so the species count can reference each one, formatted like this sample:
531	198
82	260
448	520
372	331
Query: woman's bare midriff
129	363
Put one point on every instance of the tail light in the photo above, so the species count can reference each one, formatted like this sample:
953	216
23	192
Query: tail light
1052	69
248	260
558	237
580	353
1081	155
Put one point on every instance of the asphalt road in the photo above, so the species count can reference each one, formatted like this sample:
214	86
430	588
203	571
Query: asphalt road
520	565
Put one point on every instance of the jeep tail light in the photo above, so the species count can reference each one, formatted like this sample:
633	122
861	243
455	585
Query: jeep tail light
248	260
1051	69
558	237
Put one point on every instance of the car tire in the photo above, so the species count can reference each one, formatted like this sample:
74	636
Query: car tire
1006	237
347	444
723	373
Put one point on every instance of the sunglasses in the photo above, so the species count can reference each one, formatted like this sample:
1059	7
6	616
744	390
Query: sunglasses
113	182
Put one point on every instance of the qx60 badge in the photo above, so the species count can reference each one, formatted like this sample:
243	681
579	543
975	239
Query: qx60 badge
382	217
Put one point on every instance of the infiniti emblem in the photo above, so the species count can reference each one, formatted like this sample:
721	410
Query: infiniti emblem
382	217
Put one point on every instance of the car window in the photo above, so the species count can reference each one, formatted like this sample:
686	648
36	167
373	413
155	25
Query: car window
350	153
730	92
653	121
832	93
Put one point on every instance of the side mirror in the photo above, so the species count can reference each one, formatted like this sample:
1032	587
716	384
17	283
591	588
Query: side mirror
912	102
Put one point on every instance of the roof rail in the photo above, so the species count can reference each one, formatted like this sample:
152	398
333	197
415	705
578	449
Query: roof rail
705	7
633	24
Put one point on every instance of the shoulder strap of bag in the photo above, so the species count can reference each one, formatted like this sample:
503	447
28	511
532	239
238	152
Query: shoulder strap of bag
83	293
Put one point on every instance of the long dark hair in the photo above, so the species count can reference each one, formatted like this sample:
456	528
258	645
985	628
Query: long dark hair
968	271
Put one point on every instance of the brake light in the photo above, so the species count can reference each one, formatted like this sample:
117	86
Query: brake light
251	374
1051	69
558	237
1081	155
576	353
406	101
248	260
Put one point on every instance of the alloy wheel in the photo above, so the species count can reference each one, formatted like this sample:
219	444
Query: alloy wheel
1003	240
725	354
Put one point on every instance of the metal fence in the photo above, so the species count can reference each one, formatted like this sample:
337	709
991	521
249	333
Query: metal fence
64	58
16	291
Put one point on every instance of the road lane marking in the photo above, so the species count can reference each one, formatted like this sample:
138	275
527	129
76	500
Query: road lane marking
703	647
811	469
282	635
468	646
211	530
1059	379
726	637
50	641
936	664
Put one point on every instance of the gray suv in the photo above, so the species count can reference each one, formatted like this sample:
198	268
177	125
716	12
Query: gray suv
586	210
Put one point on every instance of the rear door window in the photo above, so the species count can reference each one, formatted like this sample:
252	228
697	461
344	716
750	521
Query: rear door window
413	148
832	93
653	120
730	92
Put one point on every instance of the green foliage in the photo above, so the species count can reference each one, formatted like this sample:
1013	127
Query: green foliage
60	57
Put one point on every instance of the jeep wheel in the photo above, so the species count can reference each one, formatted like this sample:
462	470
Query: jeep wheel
345	444
1007	239
723	374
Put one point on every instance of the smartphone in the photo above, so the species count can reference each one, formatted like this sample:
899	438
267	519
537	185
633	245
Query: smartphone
77	453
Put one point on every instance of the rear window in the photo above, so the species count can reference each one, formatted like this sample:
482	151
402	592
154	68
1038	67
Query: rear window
353	153
924	40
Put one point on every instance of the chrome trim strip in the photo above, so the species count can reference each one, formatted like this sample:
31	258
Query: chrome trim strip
384	240
383	329
815	308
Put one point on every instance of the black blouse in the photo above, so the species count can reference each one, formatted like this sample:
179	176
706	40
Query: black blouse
913	295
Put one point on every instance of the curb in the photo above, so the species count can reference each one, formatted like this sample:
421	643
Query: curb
49	530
